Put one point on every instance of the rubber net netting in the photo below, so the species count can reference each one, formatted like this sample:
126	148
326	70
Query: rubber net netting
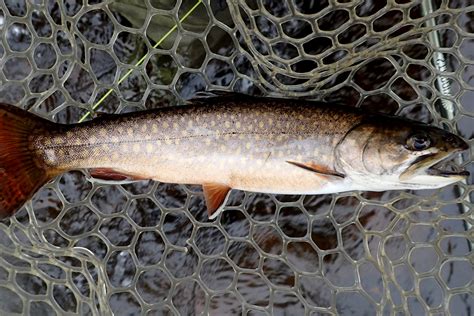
86	247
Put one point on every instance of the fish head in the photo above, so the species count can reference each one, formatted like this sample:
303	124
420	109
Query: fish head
388	152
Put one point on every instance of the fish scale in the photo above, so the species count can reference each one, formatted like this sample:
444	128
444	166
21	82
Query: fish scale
254	134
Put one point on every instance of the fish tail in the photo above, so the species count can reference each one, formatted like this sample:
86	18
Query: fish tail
20	175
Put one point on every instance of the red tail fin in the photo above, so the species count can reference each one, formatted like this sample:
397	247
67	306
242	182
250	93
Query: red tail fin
20	176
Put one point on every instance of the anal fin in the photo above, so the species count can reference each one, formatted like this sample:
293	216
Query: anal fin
320	169
215	195
114	176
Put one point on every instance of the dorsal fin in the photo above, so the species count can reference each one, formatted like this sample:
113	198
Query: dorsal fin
99	114
321	169
215	96
215	195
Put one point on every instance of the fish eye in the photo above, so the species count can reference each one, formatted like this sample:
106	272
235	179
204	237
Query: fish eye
418	142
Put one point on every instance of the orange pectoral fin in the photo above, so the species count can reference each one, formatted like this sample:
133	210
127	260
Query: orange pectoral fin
109	174
321	169
215	195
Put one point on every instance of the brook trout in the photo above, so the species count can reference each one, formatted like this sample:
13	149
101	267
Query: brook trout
254	144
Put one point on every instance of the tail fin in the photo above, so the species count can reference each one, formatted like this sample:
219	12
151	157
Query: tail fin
20	175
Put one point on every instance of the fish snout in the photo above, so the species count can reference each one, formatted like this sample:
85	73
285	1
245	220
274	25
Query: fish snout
456	142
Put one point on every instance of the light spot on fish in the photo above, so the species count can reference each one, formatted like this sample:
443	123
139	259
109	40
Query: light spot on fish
144	128
154	128
260	124
227	124
165	124
136	148
58	140
130	131
158	142
175	125
50	155
168	141
248	145
237	124
213	123
149	148
115	156
208	141
103	132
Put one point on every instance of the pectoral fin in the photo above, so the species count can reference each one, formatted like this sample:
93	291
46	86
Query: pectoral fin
321	169
216	196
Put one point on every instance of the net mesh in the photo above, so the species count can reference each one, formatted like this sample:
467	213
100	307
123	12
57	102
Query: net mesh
85	247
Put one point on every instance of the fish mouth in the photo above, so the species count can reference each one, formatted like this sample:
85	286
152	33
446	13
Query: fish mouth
441	172
437	166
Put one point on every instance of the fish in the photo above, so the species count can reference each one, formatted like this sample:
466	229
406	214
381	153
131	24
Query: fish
256	144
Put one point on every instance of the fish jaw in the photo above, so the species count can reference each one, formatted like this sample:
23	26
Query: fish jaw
426	171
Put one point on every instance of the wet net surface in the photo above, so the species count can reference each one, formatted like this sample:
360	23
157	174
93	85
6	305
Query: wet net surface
86	247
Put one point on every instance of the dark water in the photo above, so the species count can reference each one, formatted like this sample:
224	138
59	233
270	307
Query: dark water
278	254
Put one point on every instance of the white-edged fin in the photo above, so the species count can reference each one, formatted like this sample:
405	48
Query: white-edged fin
112	182
216	195
319	169
111	176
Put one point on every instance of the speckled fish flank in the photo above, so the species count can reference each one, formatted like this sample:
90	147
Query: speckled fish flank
254	144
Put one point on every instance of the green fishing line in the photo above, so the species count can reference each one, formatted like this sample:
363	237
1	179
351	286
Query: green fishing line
162	39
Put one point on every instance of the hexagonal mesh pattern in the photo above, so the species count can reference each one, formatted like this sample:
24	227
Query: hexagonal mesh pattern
85	247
